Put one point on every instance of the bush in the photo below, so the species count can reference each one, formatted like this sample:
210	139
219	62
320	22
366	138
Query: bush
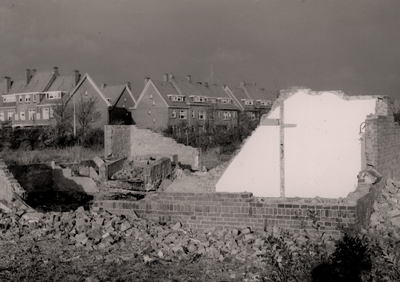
94	138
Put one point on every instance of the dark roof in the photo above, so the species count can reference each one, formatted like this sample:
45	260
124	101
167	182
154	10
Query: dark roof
258	93
240	94
185	87
17	87
113	92
166	88
38	82
63	83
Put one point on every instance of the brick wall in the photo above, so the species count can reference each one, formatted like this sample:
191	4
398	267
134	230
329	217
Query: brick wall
156	172
135	143
9	186
200	211
382	152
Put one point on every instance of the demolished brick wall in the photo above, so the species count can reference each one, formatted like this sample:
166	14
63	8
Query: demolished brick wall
200	211
9	186
382	152
134	143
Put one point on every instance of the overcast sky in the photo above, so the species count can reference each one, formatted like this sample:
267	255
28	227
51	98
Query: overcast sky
353	46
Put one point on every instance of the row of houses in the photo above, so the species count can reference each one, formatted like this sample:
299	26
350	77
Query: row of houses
162	103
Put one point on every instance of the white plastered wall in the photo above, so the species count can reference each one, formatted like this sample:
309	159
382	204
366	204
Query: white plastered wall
323	152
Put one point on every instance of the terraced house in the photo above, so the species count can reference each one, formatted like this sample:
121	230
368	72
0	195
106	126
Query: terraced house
251	100
177	100
30	102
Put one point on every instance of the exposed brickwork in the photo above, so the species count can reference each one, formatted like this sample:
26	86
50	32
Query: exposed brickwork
382	151
134	143
156	172
200	211
9	186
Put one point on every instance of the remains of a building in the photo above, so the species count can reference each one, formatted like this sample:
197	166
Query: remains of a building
318	160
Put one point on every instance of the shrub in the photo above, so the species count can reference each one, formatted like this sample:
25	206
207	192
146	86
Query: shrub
94	138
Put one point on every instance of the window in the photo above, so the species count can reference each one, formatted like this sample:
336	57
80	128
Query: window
46	113
176	98
234	114
2	116
212	100
51	112
265	103
22	115
173	114
227	116
226	101
123	105
34	97
154	103
182	114
199	99
151	96
10	114
219	114
124	99
31	114
20	98
248	102
92	119
252	116
27	98
9	99
193	114
56	95
202	115
149	112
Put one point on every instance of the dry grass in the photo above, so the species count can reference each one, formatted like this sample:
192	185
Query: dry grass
71	154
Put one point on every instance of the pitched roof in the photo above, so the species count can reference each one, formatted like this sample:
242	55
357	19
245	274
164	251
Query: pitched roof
258	93
17	87
63	83
38	82
166	88
240	94
185	87
87	77
113	92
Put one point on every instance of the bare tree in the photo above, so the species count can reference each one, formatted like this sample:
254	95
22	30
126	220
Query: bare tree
86	112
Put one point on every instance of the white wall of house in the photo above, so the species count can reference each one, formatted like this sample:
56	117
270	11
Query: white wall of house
323	152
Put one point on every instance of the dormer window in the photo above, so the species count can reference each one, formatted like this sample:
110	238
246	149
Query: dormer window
53	95
177	98
248	102
265	103
212	100
9	99
226	101
199	99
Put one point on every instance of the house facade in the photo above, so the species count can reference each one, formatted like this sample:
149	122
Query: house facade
30	102
252	100
122	100
177	100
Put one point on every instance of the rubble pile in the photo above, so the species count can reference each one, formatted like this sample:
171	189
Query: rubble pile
386	216
154	241
132	171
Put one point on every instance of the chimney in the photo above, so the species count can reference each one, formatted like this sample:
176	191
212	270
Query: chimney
170	77
7	84
199	83
189	78
77	77
55	71
242	83
103	85
33	72
28	75
206	84
129	85
146	79
165	77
